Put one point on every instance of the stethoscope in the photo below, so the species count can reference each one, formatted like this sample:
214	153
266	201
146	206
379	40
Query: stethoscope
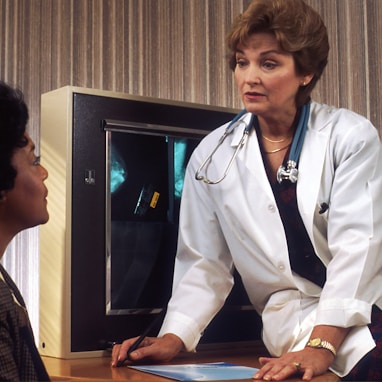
290	172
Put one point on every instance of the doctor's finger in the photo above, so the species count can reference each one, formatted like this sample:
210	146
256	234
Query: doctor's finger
119	352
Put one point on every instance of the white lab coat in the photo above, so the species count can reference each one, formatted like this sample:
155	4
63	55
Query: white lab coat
236	223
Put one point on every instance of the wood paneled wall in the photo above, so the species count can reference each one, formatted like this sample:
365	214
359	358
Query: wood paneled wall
172	49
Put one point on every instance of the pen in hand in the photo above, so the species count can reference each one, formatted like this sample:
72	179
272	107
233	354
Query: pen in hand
139	340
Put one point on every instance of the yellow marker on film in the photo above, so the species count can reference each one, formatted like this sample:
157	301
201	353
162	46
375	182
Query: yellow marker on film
154	199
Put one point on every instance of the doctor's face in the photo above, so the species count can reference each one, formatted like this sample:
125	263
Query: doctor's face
26	204
266	77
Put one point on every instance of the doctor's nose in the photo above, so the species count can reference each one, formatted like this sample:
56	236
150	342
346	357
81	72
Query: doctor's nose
252	75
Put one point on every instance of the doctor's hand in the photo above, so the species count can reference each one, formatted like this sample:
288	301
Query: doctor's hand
161	349
307	363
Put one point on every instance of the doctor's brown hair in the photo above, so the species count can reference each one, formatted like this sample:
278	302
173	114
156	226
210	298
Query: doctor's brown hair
299	30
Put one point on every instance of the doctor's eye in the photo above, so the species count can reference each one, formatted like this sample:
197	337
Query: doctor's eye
269	65
241	63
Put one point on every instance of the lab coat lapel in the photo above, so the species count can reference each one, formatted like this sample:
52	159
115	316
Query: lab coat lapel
310	170
250	157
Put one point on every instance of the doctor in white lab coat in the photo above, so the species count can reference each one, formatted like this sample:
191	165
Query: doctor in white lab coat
236	223
309	252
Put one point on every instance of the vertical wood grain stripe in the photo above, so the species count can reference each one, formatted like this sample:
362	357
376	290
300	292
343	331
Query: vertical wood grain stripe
172	49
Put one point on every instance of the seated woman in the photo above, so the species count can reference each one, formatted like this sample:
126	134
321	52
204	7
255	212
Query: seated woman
23	205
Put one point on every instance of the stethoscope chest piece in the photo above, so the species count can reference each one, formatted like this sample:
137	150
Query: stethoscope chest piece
289	173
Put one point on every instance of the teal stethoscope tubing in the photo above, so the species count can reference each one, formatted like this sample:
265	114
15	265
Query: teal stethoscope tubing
289	173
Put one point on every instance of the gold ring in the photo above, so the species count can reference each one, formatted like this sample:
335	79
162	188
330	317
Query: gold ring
297	365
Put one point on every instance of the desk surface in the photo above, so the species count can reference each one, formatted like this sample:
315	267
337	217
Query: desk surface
99	369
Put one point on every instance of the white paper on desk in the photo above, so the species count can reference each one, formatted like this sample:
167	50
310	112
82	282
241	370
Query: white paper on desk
217	371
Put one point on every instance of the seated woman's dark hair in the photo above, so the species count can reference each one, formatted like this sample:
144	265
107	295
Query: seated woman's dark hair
13	120
298	29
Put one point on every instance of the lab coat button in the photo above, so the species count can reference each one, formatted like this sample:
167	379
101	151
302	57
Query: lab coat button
281	267
271	208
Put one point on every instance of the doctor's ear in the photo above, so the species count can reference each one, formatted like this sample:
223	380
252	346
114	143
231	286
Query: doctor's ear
306	79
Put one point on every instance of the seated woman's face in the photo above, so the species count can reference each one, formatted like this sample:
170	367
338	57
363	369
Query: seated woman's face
26	201
266	77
